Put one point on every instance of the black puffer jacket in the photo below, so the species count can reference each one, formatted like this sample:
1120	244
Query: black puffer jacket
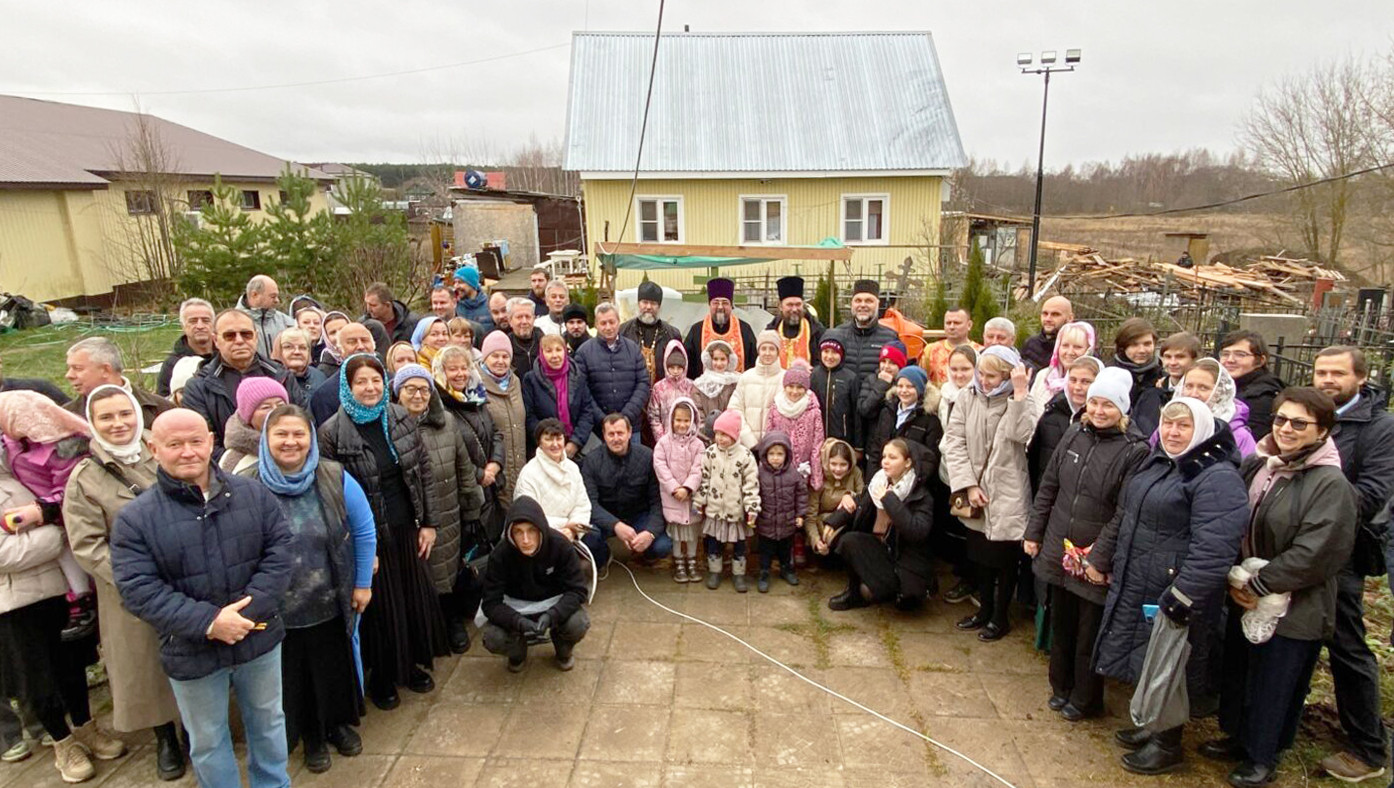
1146	410
1305	527
836	391
911	519
1181	524
1078	497
554	570
1258	389
1054	422
861	346
453	495
339	441
178	559
623	488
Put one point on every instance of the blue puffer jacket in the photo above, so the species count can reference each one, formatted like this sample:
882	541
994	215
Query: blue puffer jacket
1181	524
617	379
540	402
178	559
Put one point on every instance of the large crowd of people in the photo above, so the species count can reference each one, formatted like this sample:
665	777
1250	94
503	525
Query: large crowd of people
309	510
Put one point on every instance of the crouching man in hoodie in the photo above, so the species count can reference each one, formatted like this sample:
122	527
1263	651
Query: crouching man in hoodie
533	587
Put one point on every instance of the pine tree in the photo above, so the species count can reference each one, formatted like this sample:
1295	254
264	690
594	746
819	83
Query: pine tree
223	249
823	299
978	298
299	240
938	304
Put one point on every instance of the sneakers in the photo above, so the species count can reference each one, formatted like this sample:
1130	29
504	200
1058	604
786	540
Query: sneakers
959	593
71	761
17	753
82	618
1349	768
102	745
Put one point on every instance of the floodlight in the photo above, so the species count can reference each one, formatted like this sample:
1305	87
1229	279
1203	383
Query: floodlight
1071	56
1023	59
1048	57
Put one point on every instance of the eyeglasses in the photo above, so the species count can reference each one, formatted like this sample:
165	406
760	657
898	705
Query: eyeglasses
1236	355
246	335
1298	425
416	391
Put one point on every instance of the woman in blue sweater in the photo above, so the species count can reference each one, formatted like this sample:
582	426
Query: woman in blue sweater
334	544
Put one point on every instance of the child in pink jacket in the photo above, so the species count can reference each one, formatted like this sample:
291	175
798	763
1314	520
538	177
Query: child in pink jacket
677	462
795	413
669	388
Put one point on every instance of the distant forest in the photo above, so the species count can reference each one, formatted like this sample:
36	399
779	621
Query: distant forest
1146	182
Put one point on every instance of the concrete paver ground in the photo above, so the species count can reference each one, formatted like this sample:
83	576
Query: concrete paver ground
656	700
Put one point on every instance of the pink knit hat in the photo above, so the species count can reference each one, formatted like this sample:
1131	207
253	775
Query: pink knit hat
251	392
729	422
798	374
496	340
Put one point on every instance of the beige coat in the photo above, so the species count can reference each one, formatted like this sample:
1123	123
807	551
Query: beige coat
140	693
510	418
1004	425
29	569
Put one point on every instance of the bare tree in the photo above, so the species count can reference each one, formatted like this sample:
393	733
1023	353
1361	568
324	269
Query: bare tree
1314	126
536	167
147	168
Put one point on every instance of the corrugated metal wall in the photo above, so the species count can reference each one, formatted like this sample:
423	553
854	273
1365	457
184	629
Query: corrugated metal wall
711	215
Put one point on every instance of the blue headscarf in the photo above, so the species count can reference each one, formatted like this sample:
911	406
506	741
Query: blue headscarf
277	480
360	413
1008	355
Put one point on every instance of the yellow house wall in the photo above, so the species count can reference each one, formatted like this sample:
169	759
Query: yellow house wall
813	211
61	244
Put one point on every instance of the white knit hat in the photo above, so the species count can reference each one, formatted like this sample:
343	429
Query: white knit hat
1114	385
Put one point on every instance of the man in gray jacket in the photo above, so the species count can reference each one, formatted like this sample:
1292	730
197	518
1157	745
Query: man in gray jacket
260	301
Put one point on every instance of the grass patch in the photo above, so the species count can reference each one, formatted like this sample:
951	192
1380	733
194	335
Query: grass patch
42	352
817	628
890	639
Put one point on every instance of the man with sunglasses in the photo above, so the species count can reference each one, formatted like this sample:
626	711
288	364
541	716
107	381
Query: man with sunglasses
1364	437
213	391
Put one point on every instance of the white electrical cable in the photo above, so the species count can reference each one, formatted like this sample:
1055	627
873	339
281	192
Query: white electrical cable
807	680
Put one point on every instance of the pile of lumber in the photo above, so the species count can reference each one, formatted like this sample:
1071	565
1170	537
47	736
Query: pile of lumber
1268	278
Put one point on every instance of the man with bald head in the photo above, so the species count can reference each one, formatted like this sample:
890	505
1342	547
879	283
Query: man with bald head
261	300
324	401
213	391
498	311
205	557
1055	313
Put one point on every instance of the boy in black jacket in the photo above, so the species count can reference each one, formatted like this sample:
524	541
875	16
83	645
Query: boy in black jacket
835	386
533	563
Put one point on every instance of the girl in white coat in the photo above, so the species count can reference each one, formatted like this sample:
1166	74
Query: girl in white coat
755	390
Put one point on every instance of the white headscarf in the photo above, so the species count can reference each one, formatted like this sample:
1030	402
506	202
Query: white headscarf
129	453
1200	416
1005	353
1222	397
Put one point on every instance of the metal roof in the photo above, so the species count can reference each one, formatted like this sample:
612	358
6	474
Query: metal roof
760	102
46	144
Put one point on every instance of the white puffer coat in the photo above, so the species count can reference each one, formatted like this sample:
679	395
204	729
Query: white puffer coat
754	396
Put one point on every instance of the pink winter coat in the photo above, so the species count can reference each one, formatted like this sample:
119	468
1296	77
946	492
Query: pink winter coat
666	391
805	433
677	462
44	468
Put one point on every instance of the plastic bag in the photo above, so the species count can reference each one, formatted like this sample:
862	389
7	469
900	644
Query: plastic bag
1160	701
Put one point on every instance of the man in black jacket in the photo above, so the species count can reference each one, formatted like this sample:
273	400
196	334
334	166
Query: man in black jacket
196	318
212	392
1244	356
380	305
1056	311
863	336
623	489
1364	436
205	558
533	564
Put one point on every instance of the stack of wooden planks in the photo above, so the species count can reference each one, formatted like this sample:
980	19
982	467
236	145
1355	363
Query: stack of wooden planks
1272	278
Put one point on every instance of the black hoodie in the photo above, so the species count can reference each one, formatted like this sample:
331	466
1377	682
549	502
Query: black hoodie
553	570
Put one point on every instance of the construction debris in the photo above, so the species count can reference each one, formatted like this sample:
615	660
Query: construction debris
1271	278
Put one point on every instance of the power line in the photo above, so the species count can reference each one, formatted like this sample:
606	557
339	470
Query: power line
1235	201
310	83
643	126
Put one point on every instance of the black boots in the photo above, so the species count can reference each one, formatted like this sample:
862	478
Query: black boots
1251	775
565	659
1132	738
420	681
1161	754
345	739
169	754
459	635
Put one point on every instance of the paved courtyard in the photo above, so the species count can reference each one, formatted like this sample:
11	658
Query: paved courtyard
658	701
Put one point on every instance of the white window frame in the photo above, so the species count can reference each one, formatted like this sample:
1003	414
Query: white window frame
884	240
765	200
640	199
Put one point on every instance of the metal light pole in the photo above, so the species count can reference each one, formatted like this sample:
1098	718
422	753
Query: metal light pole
1047	67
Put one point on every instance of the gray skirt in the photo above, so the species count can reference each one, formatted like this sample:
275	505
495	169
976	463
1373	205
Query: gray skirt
726	530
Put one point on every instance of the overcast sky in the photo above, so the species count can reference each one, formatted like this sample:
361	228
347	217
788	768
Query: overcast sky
1159	76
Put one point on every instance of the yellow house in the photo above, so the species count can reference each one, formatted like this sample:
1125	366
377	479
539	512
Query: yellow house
87	195
761	140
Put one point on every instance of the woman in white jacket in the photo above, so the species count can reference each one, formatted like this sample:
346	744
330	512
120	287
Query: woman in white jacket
985	448
756	389
555	482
